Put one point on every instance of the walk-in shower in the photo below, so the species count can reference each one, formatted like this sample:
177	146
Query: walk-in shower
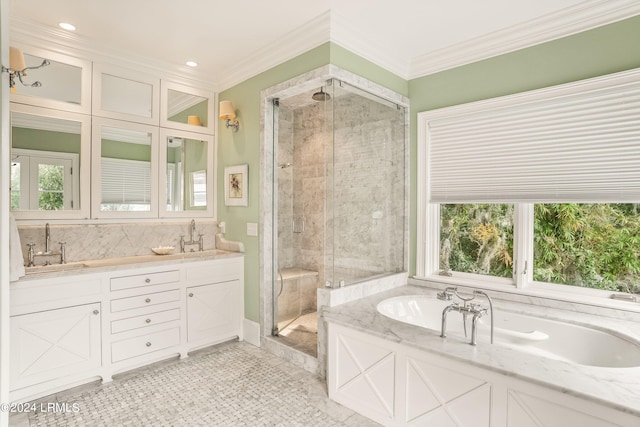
339	199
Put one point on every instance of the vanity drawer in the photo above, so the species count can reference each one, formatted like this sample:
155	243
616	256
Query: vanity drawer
146	320
139	280
144	300
137	346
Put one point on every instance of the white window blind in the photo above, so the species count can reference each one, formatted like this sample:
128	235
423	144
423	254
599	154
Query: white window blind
573	143
125	181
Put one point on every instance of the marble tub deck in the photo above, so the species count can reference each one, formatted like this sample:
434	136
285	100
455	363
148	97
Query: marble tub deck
618	388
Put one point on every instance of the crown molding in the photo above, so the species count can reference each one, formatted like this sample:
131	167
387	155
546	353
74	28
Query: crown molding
300	40
70	44
382	52
571	20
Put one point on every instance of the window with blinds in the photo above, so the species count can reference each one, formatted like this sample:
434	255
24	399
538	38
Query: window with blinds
539	189
574	143
125	183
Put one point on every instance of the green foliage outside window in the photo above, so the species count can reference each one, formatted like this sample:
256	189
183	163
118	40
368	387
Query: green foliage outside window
587	245
477	238
50	187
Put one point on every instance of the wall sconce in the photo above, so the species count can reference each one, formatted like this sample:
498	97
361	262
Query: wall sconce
17	67
228	113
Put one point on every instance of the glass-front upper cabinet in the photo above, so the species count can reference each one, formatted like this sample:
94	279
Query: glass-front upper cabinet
123	94
186	174
125	169
50	163
66	81
186	108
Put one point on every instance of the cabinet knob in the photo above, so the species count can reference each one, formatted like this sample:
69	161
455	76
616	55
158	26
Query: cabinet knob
147	280
96	312
148	344
191	294
148	320
147	300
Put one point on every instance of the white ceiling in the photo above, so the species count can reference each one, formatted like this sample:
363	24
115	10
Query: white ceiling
232	41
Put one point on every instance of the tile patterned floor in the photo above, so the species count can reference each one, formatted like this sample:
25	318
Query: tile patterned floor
233	384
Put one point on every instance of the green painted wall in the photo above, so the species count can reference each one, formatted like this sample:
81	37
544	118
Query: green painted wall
199	110
34	139
125	150
604	50
244	146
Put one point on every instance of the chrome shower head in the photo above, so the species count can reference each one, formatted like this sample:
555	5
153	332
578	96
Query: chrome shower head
321	96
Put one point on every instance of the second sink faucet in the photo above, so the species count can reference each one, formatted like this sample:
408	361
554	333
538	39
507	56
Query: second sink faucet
192	231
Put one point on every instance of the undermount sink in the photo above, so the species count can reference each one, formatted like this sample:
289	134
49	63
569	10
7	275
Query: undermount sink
110	262
54	267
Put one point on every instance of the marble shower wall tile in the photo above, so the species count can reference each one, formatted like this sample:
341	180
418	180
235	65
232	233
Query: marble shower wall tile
99	241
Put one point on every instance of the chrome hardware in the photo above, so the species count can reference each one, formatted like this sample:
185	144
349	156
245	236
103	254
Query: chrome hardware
148	344
147	280
341	283
63	252
148	321
466	309
192	232
447	294
96	312
191	294
147	300
47	238
31	254
446	272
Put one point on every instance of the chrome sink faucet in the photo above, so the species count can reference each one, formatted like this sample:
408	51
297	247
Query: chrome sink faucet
192	231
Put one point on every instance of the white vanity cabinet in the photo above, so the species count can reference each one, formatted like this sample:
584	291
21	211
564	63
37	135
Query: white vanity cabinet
398	385
214	303
95	323
53	343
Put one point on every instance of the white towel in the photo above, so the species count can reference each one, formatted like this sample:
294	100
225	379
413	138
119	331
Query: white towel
16	260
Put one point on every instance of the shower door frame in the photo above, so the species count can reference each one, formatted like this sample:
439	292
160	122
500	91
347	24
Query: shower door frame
268	235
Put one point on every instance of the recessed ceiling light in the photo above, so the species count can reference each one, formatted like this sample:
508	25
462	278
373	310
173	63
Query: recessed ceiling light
192	63
67	26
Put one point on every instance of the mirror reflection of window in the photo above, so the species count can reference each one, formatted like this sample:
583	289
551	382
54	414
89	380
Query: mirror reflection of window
186	174
125	176
186	108
45	158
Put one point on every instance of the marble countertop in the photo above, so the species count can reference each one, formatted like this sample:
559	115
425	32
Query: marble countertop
110	264
618	388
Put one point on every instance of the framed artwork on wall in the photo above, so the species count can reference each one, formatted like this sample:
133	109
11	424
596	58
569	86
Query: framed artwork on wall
236	185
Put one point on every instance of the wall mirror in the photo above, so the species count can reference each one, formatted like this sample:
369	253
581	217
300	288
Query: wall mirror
125	95
186	174
66	82
124	168
49	163
186	108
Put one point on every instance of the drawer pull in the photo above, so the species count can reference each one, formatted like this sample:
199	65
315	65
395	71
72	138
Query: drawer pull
191	294
148	321
147	280
147	300
148	344
96	312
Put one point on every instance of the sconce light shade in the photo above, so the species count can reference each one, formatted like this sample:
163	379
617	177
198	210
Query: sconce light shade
16	60
228	113
194	120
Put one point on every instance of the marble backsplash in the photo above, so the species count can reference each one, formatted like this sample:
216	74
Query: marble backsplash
99	241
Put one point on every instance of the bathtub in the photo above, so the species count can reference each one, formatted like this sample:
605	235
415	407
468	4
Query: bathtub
569	342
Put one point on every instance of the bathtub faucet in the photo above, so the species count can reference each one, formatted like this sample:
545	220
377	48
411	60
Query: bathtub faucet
468	308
